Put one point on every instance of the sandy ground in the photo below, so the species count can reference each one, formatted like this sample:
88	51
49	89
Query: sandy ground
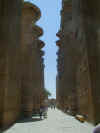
57	122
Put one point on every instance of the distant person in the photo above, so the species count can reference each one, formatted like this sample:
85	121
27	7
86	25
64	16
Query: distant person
97	129
41	112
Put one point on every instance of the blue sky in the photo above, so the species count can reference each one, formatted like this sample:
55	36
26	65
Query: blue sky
50	22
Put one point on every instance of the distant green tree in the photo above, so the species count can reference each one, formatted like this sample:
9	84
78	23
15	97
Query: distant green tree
47	93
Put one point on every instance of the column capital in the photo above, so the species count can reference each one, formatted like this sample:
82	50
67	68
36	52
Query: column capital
37	31
33	8
41	44
58	43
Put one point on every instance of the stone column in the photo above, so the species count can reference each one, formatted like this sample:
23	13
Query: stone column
60	64
66	59
38	74
10	18
32	71
29	17
90	13
86	18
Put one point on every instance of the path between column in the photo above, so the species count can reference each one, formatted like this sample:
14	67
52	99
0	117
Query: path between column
57	122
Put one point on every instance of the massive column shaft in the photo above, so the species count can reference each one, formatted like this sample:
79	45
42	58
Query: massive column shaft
31	80
10	18
79	65
91	18
30	15
66	59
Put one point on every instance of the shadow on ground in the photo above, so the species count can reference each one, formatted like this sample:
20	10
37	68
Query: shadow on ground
26	120
3	129
21	120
